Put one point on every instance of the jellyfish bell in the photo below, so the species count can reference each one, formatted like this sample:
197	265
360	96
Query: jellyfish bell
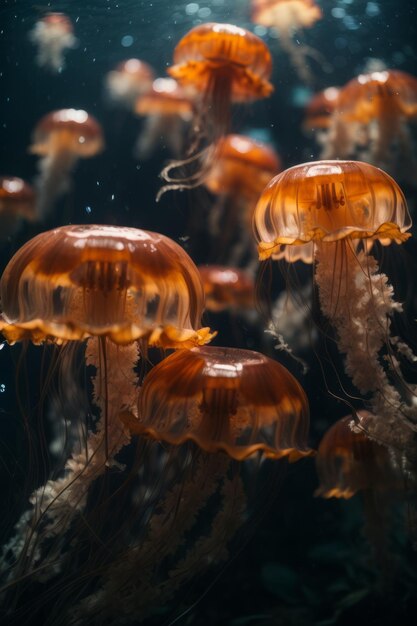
131	79
167	110
373	120
289	17
17	203
53	35
319	110
330	213
222	64
61	138
228	288
224	399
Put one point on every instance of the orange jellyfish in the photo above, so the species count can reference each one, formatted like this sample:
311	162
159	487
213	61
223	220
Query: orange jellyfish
53	34
103	291
17	202
60	139
372	120
221	64
129	80
319	110
227	288
288	18
330	213
240	172
349	462
167	111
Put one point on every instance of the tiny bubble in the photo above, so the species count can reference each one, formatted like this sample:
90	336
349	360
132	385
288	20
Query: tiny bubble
2	388
88	209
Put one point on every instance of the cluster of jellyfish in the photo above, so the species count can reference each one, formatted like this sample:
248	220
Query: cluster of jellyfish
161	470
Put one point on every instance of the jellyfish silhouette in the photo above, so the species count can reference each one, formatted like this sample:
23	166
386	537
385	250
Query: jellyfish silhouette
128	81
60	139
221	64
288	18
53	34
240	172
98	293
214	417
227	288
17	203
373	120
167	111
330	213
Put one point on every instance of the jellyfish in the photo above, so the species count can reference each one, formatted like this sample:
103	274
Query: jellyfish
60	139
331	213
349	462
288	18
128	81
17	203
242	169
372	120
217	412
53	35
221	64
167	111
102	295
227	288
319	110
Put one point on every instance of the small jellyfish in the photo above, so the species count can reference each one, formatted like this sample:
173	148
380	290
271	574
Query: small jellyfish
221	64
288	18
17	203
61	138
319	109
53	35
372	120
227	288
330	213
128	81
349	462
240	172
102	295
167	111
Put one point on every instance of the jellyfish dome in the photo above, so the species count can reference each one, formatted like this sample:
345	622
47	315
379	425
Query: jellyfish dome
225	399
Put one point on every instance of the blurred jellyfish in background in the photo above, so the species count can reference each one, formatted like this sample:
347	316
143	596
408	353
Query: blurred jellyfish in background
221	64
53	35
227	288
331	213
217	418
240	172
167	112
373	120
101	295
129	80
61	138
349	462
318	112
17	203
288	18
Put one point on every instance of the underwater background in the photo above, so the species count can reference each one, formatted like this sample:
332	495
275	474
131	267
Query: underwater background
304	560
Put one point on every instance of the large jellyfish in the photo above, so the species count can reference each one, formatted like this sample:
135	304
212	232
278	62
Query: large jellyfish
240	172
330	213
167	110
213	416
372	120
129	80
101	294
53	35
17	203
60	139
288	18
221	64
